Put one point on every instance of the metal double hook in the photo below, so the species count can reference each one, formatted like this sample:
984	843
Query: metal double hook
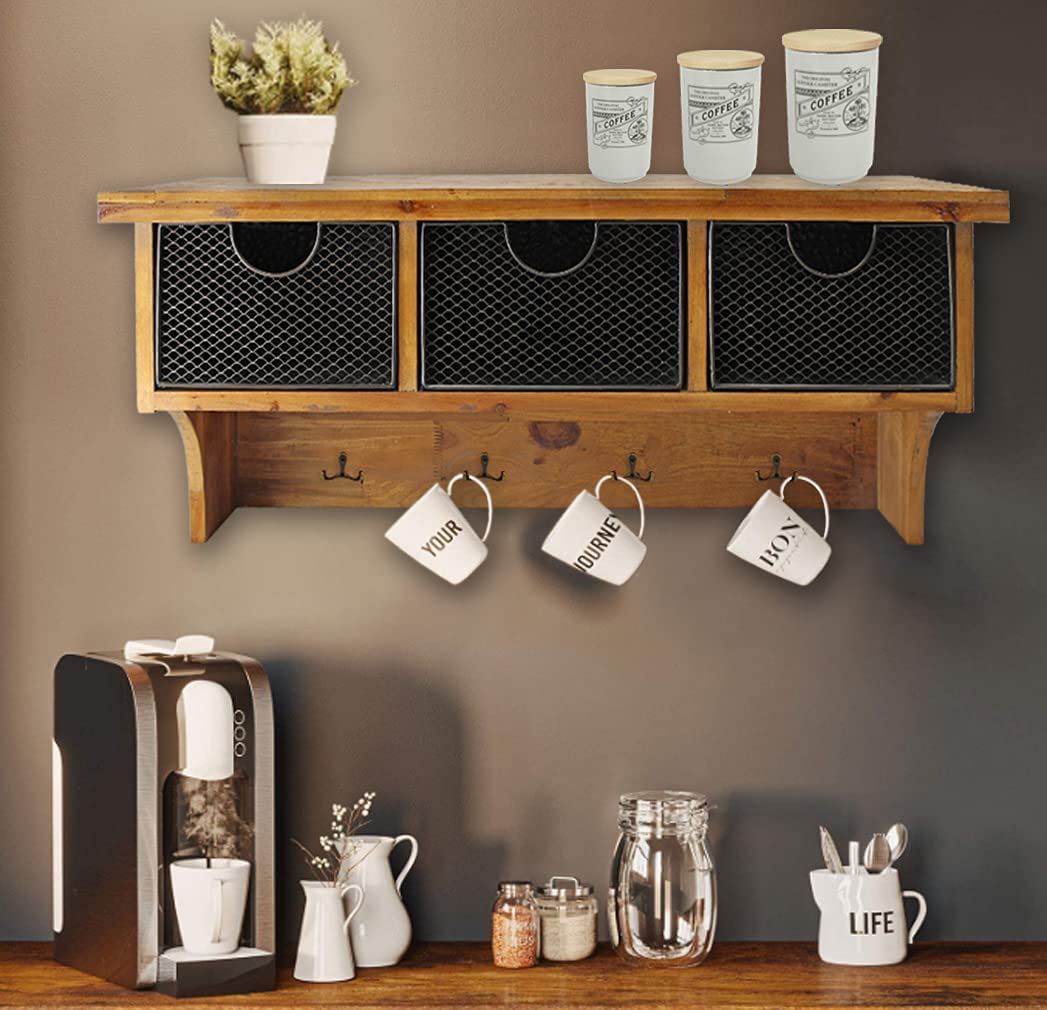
483	474
632	474
776	459
342	460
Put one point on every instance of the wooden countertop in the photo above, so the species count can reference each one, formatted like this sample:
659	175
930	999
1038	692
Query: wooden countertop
460	975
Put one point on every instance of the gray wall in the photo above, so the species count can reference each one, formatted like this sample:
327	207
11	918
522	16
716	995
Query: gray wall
499	721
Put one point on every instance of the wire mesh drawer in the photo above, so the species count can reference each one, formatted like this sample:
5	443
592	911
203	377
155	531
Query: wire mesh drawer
288	304
552	305
830	305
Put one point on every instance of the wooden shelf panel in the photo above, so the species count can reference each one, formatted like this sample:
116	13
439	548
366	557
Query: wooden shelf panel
763	197
508	405
460	975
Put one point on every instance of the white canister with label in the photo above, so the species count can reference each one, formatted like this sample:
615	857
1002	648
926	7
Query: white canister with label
720	101
619	111
830	83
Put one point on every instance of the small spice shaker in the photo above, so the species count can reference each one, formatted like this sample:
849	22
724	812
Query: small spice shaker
567	911
514	925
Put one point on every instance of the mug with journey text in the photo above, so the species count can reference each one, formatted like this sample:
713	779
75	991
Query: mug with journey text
592	539
434	532
776	540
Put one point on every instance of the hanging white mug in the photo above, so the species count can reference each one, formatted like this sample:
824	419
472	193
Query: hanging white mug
775	539
591	538
434	532
324	951
863	918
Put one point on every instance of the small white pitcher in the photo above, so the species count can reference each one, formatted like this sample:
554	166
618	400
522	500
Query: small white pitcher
382	934
324	951
863	921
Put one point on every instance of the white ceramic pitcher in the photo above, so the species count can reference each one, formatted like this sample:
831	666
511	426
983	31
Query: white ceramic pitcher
324	954
381	933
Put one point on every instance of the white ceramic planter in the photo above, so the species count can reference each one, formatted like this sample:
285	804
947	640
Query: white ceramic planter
830	83
619	114
286	149
720	101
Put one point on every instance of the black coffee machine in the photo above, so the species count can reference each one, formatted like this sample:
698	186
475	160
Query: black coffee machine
163	766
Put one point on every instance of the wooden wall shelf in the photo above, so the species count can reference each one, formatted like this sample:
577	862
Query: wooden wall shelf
268	447
458	975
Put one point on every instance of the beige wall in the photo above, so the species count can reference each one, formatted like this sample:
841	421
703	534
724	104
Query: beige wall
500	720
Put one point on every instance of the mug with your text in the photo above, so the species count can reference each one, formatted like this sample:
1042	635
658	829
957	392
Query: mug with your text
434	532
775	539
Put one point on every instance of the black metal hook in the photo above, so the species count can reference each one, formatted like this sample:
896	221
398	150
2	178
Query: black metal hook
632	474
483	474
776	459
342	460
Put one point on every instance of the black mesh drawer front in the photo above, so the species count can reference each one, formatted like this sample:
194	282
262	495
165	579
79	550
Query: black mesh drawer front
830	305
552	305
301	305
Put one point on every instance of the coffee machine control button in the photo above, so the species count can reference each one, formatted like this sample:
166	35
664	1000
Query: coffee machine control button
240	748
238	716
239	733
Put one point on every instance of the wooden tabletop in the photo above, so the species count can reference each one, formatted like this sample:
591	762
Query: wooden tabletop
391	197
460	975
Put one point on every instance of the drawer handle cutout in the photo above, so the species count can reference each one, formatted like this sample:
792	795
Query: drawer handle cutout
551	248
831	249
275	248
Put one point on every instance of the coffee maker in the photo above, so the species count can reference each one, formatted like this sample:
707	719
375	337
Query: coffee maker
163	767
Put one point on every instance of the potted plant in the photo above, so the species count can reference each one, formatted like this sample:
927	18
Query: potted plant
286	92
210	889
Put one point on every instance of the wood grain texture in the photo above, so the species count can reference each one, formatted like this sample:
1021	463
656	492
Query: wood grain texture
697	305
964	283
904	441
145	367
766	197
407	306
531	404
704	461
209	441
736	975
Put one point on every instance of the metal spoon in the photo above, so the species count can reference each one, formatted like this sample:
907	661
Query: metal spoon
877	854
897	839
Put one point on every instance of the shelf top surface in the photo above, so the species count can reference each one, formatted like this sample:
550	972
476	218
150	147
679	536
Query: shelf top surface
421	194
736	975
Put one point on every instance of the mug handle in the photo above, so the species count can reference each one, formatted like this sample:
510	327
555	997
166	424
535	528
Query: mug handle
410	859
920	915
216	909
821	494
635	490
356	908
487	495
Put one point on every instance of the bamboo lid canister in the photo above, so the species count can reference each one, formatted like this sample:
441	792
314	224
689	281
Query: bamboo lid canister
619	110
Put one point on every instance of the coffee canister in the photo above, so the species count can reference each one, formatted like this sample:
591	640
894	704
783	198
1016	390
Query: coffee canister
619	110
720	102
830	83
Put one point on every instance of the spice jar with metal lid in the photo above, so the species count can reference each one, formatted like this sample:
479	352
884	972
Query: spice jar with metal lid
514	925
567	911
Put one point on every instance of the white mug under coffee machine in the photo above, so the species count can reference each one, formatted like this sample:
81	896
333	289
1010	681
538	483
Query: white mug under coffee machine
163	818
863	918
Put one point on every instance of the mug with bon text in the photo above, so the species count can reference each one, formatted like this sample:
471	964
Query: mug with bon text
863	917
434	532
775	539
592	539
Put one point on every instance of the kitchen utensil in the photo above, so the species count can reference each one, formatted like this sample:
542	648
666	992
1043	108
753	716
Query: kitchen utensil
877	854
853	862
830	853
897	839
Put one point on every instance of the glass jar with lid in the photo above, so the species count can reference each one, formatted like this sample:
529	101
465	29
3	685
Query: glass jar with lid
662	899
514	925
567	913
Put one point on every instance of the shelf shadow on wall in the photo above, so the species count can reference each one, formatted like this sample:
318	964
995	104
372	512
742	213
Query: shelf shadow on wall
346	727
